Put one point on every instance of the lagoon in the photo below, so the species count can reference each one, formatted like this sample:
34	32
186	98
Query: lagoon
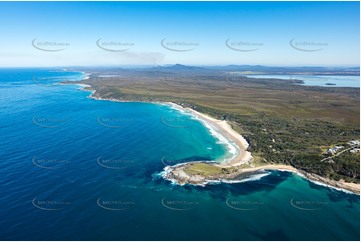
318	80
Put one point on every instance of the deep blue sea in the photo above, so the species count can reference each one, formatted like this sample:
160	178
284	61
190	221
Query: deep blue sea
74	168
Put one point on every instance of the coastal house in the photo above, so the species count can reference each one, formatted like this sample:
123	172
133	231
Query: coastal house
334	150
354	142
355	150
331	151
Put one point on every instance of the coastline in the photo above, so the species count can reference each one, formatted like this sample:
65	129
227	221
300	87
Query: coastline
338	185
176	175
242	156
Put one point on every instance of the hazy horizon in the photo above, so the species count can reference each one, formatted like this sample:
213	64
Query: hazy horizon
50	34
195	65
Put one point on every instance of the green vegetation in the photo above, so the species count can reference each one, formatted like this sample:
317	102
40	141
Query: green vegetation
346	167
202	169
298	142
209	169
283	122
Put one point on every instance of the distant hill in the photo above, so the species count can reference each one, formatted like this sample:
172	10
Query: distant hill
256	69
281	69
178	67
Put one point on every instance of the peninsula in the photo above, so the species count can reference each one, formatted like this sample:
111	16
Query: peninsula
284	125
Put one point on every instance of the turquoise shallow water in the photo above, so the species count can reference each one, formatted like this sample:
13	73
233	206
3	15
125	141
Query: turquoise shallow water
74	168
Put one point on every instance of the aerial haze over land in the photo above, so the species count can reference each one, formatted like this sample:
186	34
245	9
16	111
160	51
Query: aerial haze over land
180	121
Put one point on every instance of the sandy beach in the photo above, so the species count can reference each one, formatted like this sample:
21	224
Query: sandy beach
242	156
177	175
341	185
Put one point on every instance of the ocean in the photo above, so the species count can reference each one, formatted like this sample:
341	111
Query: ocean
75	168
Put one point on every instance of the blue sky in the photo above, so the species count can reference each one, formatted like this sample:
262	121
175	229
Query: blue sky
193	33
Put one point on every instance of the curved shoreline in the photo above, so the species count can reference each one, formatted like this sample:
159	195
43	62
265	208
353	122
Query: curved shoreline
176	175
338	185
243	157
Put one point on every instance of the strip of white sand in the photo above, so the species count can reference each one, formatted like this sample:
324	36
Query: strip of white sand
242	156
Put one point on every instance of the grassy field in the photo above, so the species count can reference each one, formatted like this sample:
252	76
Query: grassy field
203	169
